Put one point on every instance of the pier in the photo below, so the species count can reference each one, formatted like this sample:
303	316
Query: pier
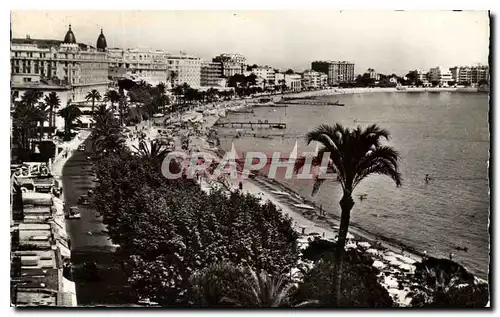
251	124
311	102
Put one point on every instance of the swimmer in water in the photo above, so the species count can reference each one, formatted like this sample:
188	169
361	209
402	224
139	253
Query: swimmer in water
427	178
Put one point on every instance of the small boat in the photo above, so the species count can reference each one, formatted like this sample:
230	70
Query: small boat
461	248
303	206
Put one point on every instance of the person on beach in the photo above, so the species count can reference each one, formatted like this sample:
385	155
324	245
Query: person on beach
321	210
451	255
240	186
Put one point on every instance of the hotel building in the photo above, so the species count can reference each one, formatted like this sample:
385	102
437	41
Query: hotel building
338	72
138	64
71	69
211	74
187	69
232	64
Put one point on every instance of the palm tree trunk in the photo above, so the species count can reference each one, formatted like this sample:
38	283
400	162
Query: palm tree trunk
93	103
346	204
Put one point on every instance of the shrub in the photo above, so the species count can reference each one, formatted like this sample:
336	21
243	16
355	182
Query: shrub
359	286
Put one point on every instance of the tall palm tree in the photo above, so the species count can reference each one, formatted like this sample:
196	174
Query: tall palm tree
173	76
122	106
353	155
107	135
112	96
70	113
53	101
93	95
25	117
162	88
42	116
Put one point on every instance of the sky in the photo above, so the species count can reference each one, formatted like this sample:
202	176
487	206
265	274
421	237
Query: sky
388	41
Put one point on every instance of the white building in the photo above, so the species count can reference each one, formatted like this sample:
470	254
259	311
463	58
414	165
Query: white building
314	79
293	82
267	73
76	67
440	75
187	69
68	68
139	64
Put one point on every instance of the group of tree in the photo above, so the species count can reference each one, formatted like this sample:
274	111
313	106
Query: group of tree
366	80
30	114
171	229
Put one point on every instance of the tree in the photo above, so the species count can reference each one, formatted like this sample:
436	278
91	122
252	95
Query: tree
106	134
435	83
412	77
53	101
447	284
211	286
173	77
162	88
483	82
353	155
262	290
155	151
112	96
25	118
70	113
360	287
93	95
290	72
42	116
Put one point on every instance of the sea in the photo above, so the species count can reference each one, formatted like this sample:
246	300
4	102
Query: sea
443	134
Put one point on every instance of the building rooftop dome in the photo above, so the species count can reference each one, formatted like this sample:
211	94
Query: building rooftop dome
70	37
101	42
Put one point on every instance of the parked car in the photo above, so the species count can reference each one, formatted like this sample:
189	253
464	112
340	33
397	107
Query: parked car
74	213
83	200
81	147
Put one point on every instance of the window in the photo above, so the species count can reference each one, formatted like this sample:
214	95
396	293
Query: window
15	54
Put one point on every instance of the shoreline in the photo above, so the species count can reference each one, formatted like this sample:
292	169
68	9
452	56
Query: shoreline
396	246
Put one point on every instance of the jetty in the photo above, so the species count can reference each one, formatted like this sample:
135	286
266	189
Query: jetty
310	102
251	124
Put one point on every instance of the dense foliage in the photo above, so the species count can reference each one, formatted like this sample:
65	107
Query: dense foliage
444	283
359	285
226	285
171	228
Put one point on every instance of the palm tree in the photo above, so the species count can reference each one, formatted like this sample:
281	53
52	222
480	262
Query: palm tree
106	134
353	155
70	113
173	76
112	96
162	88
262	290
25	117
53	101
93	95
155	151
42	116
